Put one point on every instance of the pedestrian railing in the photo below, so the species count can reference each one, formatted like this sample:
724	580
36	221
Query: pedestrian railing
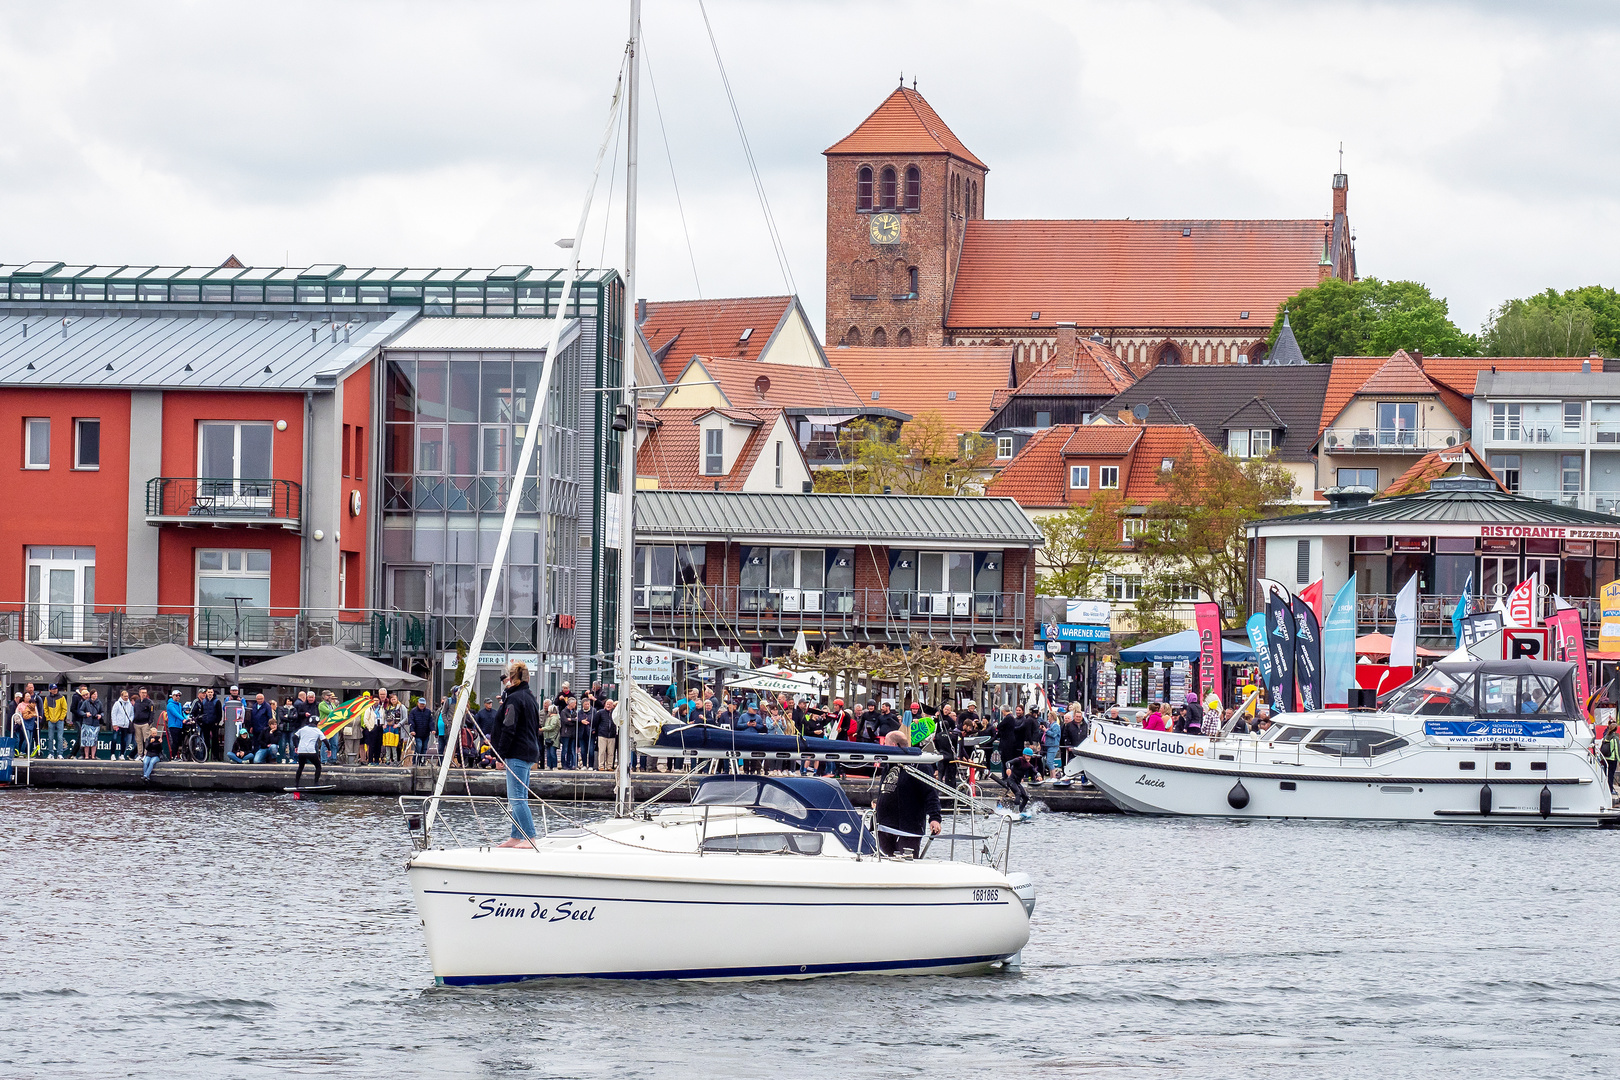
1376	612
853	614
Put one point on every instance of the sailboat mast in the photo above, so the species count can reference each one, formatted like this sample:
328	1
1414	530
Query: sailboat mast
627	447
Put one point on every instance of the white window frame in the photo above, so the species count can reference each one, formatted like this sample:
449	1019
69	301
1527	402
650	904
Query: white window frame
778	463
254	496
241	572
1132	528
1123	587
1004	447
44	624
1507	421
1256	436
1579	417
28	442
1079	477
1108	477
78	452
718	455
1232	448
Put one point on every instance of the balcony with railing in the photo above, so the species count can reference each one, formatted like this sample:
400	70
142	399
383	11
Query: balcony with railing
1375	613
1379	440
1601	502
111	630
696	612
210	501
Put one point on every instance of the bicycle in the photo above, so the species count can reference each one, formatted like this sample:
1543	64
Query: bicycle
192	743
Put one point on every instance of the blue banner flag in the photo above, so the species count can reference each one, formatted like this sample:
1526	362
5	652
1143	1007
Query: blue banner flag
1463	609
1339	646
1257	640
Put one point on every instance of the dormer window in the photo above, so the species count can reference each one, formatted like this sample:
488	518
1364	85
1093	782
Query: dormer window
714	452
1248	442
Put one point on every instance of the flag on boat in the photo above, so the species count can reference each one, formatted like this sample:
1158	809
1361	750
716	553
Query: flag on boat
1462	610
1403	643
1339	646
347	713
1521	604
1307	654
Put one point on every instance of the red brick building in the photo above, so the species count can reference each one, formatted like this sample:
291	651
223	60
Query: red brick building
912	259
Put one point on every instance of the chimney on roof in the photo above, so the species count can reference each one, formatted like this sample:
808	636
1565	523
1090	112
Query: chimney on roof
1068	345
1125	417
641	311
1417	357
1586	367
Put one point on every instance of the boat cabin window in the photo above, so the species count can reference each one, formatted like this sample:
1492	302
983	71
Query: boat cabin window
1524	695
745	793
1346	742
1290	735
1435	693
767	843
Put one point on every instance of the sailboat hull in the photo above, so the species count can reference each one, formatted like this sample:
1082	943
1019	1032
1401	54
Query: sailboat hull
503	915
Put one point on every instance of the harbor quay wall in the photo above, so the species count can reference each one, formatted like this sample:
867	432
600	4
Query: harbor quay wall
552	785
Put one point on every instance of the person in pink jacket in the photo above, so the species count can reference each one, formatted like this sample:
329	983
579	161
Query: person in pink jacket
1155	720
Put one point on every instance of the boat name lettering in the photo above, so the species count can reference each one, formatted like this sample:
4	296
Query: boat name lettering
1145	782
499	909
1157	746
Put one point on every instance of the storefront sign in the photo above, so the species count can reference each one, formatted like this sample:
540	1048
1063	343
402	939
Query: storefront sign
1550	532
1087	611
1015	666
1073	632
1474	732
1610	629
651	668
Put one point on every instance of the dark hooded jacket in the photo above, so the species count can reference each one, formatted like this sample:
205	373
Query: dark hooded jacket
518	725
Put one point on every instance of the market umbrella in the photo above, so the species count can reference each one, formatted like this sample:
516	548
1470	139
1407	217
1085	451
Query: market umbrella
1184	646
1379	645
329	667
166	665
25	663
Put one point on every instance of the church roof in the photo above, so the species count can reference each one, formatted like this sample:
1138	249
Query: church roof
677	330
959	382
1133	273
1285	350
904	124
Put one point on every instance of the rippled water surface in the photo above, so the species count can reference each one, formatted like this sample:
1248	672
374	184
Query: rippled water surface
240	936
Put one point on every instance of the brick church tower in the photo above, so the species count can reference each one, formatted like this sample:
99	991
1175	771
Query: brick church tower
901	189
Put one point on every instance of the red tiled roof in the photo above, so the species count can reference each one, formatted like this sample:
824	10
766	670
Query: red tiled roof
1133	273
1345	380
1399	375
903	124
1036	477
1096	371
1450	377
1415	480
672	450
1160	441
922	379
688	328
1100	440
788	385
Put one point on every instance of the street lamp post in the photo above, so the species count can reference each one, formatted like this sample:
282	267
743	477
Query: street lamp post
236	668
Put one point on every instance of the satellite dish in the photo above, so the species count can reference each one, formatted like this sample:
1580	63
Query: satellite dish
1140	412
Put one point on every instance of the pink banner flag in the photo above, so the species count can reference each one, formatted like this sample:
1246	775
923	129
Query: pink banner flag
1521	604
1208	618
1570	646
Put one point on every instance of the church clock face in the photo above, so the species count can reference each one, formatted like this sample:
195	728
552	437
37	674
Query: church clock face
884	228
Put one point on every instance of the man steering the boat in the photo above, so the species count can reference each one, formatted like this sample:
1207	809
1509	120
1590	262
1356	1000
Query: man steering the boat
904	805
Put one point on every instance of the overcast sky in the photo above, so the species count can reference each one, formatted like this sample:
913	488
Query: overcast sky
1480	137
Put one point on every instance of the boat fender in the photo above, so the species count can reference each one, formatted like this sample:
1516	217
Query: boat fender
1546	801
1485	799
1238	797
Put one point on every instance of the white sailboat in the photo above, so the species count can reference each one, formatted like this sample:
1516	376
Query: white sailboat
759	876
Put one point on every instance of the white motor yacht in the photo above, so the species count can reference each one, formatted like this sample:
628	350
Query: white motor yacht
1479	743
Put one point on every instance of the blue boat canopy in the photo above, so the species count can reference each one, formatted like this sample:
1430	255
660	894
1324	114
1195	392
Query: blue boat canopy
1184	646
805	802
713	740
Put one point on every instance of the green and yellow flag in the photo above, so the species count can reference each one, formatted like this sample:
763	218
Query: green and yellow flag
347	713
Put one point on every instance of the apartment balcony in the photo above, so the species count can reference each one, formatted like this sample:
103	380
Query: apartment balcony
1371	440
113	630
836	617
1602	502
1551	435
201	501
1376	613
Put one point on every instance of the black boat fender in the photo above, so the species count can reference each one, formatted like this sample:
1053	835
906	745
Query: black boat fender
1546	801
1485	800
1238	797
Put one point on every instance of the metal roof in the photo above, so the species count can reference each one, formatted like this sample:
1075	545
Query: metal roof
1449	508
1547	384
457	333
181	349
861	519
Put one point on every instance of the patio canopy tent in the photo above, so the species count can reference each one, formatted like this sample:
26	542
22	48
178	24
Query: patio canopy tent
1184	646
160	665
25	663
1377	646
328	667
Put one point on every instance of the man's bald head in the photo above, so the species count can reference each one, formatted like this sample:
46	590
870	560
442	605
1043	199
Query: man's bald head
897	737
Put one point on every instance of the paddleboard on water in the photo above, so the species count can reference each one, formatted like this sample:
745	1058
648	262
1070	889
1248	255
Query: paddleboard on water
316	789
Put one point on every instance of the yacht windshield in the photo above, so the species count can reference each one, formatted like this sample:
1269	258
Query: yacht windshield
750	793
1525	695
1434	693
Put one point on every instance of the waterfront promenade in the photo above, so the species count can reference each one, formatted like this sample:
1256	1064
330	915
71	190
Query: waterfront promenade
556	785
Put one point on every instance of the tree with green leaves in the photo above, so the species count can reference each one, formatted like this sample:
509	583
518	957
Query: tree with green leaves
1195	532
1576	322
1371	317
1082	548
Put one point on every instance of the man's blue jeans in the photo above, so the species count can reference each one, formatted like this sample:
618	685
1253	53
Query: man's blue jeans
568	759
55	738
517	797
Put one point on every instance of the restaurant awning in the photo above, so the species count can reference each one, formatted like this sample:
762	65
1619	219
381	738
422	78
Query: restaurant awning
328	667
25	663
162	665
1184	646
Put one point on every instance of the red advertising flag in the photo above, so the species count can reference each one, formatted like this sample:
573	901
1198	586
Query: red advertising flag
1312	595
1207	616
1521	604
1570	646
